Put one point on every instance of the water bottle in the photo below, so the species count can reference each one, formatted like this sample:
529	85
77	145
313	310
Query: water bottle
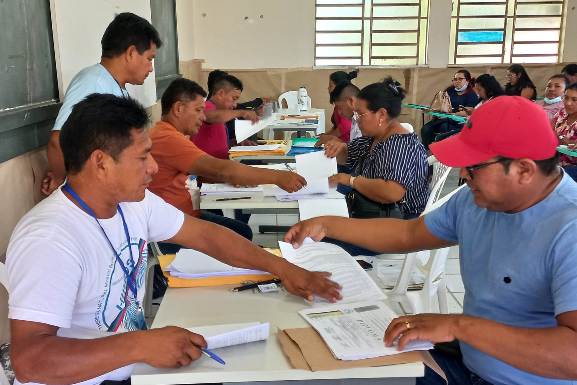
303	99
194	191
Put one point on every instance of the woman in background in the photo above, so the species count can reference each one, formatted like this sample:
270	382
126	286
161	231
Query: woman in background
519	83
462	95
565	126
487	87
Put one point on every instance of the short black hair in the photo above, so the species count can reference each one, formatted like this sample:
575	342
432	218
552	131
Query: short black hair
343	90
491	85
125	30
572	87
226	81
343	77
213	77
100	122
387	94
546	166
178	90
570	69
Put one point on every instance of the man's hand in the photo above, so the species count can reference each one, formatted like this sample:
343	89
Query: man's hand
170	347
313	228
307	284
50	183
340	178
334	148
248	115
426	327
290	181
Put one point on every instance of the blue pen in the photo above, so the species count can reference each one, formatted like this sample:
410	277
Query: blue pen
210	354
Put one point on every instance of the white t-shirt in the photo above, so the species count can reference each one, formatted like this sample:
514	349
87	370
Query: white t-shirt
62	271
355	131
91	80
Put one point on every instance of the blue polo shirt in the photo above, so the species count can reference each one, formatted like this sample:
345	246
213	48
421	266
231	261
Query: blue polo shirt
518	269
91	80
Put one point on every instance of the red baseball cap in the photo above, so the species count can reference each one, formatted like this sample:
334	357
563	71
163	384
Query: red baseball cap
508	126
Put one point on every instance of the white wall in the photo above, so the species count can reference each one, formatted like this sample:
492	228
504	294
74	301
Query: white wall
185	29
282	38
78	26
285	37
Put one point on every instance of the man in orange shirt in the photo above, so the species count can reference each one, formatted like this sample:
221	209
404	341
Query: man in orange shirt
177	157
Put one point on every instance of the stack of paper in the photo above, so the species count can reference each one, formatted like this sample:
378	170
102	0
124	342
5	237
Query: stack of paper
222	190
220	336
194	264
265	149
319	256
356	331
191	268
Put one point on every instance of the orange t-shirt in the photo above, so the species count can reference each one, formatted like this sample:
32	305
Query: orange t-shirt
175	154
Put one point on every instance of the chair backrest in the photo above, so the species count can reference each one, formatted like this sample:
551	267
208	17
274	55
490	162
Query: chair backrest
289	98
438	179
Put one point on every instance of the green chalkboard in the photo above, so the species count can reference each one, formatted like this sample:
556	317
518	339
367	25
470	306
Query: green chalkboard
28	82
163	14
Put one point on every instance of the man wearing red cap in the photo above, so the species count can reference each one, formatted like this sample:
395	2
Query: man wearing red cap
515	225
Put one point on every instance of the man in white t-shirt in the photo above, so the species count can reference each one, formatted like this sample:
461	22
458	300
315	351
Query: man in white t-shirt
129	46
77	261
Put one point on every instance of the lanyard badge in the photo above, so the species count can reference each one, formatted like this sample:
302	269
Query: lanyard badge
130	277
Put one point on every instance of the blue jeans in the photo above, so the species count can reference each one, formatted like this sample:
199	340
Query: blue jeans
448	357
238	227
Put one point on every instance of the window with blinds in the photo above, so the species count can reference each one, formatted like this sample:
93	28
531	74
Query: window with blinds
371	32
506	31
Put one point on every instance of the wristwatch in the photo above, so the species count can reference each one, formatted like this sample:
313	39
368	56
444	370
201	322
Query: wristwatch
352	180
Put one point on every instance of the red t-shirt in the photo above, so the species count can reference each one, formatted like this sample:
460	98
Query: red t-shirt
212	138
343	124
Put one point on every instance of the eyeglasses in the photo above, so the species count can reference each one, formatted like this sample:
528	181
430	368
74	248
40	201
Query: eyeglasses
458	79
471	169
357	116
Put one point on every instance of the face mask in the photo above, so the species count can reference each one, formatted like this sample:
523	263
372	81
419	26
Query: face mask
558	99
462	88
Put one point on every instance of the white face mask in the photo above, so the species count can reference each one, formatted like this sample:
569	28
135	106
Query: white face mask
558	99
465	85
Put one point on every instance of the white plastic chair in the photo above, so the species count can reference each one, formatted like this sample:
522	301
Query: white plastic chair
429	264
289	98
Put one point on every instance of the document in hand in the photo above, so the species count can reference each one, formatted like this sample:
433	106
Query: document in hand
244	129
319	256
315	165
194	264
355	331
220	336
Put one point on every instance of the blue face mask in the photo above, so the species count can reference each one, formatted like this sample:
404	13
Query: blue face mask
558	99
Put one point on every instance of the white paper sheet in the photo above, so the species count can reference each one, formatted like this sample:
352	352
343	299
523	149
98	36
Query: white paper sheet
355	331
190	263
244	129
311	208
315	165
220	336
315	186
319	256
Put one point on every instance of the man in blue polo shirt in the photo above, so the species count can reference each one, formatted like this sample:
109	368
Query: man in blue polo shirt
515	225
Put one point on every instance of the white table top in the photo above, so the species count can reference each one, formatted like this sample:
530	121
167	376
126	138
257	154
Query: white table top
257	361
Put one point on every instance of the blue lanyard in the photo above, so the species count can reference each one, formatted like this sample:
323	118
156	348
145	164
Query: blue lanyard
129	277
